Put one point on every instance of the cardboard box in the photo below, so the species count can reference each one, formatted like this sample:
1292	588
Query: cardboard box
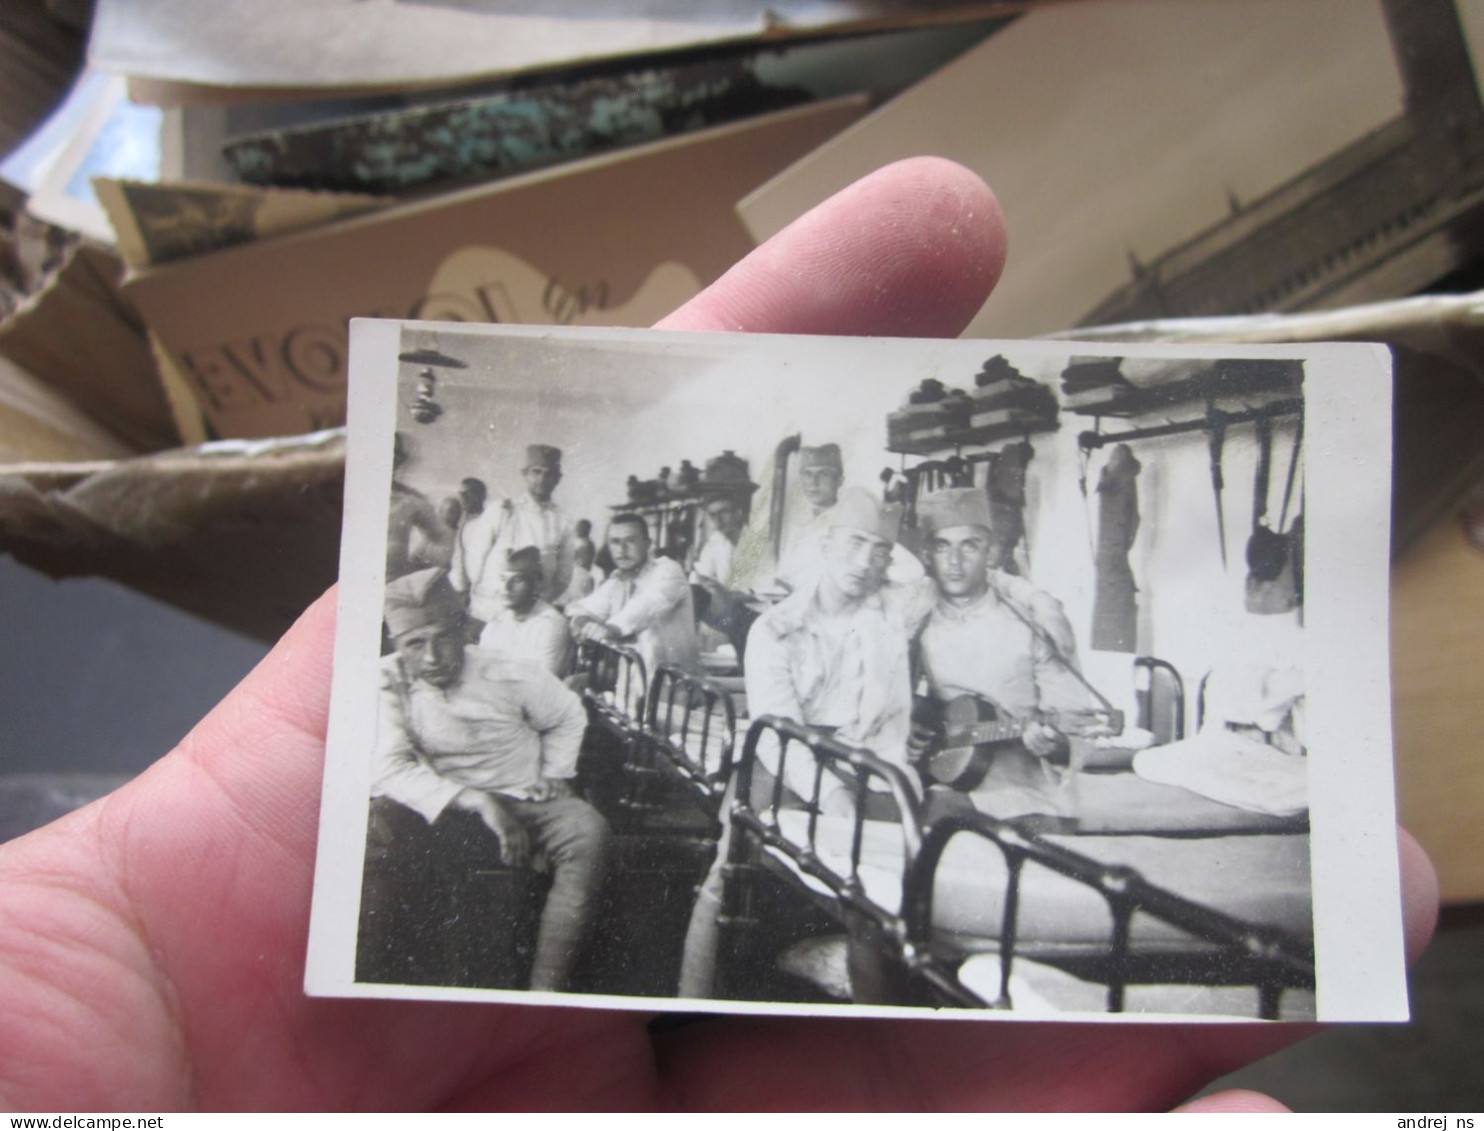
258	334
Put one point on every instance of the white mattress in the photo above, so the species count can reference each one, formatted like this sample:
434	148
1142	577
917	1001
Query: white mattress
1263	879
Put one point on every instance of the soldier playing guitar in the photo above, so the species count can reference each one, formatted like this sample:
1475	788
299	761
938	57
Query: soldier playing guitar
998	655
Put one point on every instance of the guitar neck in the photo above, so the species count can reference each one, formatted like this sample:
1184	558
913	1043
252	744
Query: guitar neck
1005	728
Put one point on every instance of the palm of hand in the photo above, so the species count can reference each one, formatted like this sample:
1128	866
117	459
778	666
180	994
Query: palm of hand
152	945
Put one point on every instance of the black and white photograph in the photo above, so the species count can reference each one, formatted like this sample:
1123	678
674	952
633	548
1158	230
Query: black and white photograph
750	673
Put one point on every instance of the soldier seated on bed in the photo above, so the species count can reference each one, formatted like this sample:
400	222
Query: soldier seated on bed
833	656
475	756
526	627
991	634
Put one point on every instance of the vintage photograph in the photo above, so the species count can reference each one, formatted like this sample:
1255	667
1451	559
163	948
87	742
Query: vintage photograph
1029	679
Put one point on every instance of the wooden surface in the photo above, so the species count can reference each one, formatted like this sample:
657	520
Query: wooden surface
1437	671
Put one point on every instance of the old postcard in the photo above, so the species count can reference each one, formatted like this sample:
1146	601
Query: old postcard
793	675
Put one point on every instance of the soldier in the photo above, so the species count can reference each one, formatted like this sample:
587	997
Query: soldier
475	749
646	598
527	628
821	474
992	634
532	519
833	656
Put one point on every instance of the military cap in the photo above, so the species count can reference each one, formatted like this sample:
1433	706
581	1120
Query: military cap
825	455
858	509
527	559
543	456
956	506
727	476
416	600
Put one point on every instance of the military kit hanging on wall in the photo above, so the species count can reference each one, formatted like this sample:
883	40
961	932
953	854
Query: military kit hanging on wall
1274	555
1115	607
1003	484
1127	388
1003	403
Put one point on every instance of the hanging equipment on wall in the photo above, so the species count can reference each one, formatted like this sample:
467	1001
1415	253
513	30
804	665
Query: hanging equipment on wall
1216	440
1115	609
1274	556
1004	484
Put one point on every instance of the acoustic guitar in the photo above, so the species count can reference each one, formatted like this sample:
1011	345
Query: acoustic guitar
963	739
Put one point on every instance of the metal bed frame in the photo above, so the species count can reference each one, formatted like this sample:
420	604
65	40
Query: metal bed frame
1271	960
701	748
758	844
617	670
615	687
1151	676
686	730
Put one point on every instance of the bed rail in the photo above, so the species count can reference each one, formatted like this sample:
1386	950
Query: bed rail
692	724
1271	960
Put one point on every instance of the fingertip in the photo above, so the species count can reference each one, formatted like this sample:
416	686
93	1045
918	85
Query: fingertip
910	250
1233	1101
1420	894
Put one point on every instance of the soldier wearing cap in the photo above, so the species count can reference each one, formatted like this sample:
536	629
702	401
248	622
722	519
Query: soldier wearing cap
990	633
473	748
527	628
821	473
833	655
531	519
722	566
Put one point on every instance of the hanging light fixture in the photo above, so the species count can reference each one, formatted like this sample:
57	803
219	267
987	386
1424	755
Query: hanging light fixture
425	407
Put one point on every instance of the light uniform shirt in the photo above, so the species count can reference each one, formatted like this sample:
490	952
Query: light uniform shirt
987	650
714	562
538	636
654	605
850	671
501	728
512	524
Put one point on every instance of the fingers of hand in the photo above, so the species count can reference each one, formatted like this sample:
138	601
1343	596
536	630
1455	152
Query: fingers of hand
1040	739
514	842
911	250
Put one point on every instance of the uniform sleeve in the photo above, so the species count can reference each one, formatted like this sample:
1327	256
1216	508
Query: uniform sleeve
398	772
769	683
657	593
1057	689
557	715
596	604
912	603
566	558
474	544
556	646
770	691
707	567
